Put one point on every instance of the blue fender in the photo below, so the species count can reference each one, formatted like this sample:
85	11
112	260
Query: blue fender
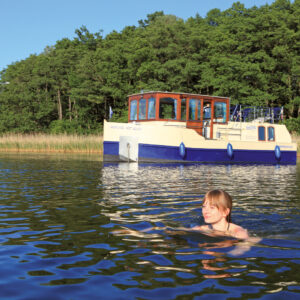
229	151
277	152
182	151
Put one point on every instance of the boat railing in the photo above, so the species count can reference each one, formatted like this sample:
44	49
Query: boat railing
254	113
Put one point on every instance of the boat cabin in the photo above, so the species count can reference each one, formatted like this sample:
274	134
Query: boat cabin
199	112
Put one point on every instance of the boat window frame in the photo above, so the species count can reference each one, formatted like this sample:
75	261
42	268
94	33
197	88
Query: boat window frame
136	110
273	128
224	113
151	98
259	133
197	110
183	113
142	109
174	110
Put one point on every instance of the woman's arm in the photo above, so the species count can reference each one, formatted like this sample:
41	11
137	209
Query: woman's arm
200	228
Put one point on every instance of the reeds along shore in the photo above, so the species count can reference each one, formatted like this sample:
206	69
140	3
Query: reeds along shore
296	139
62	143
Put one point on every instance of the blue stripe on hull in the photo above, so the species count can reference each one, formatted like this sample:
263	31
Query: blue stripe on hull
158	153
111	151
111	148
170	153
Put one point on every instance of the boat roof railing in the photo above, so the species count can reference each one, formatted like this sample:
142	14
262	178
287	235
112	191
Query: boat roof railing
144	92
256	113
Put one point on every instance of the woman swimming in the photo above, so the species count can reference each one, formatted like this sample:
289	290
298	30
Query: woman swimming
216	210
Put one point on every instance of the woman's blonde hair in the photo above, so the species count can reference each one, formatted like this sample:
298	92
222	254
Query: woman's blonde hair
220	199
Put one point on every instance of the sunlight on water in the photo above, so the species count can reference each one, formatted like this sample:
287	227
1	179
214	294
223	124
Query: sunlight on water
73	228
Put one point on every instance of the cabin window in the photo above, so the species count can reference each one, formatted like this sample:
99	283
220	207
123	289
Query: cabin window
199	109
133	110
261	133
206	110
151	108
271	135
167	108
142	109
194	109
220	112
183	109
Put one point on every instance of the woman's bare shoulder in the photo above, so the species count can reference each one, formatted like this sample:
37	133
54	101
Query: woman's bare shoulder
238	231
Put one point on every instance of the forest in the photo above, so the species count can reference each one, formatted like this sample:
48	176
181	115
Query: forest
248	54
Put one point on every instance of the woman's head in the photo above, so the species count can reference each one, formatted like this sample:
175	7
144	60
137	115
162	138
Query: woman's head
221	199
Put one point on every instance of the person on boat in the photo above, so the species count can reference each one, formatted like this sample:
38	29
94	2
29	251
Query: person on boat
206	110
216	210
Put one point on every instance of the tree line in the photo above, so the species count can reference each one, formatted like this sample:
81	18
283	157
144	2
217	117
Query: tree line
250	55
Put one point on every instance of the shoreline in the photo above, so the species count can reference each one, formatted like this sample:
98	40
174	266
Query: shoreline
12	150
63	143
65	151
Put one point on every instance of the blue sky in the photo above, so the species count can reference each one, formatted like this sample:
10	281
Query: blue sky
28	26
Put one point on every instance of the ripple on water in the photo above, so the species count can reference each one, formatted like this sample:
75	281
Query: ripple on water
77	229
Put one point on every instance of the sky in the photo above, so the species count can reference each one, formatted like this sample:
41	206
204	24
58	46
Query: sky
29	26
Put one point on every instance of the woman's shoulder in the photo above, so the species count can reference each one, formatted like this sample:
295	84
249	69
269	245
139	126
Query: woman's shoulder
238	231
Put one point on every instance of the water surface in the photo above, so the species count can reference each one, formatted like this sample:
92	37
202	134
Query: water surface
72	228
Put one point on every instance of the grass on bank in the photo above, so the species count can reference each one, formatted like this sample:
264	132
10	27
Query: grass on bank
51	143
296	139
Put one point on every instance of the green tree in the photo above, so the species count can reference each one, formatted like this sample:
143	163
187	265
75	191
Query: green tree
250	55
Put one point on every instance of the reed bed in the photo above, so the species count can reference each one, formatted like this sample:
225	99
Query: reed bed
62	143
296	139
51	143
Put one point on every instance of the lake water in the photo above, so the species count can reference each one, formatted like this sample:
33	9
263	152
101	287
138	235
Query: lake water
72	228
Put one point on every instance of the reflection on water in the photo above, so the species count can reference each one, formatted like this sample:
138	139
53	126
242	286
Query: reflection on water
72	228
174	193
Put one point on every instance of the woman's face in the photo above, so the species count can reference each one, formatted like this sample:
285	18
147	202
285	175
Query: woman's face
212	214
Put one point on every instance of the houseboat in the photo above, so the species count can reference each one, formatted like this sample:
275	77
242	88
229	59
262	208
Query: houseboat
168	127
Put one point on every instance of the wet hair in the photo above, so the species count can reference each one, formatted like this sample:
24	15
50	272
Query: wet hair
220	199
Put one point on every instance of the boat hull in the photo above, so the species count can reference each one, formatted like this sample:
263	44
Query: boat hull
170	154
